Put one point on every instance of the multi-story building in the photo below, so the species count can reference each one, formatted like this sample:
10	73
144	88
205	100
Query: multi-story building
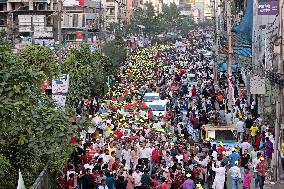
31	20
81	20
186	6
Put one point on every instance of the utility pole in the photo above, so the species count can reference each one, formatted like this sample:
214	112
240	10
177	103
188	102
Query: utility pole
100	27
230	56
59	22
279	102
216	56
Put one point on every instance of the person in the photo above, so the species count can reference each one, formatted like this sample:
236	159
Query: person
120	183
253	132
188	183
109	180
247	179
87	180
220	174
137	178
71	182
240	129
164	184
245	145
234	156
130	180
261	168
245	157
235	172
268	150
60	182
103	185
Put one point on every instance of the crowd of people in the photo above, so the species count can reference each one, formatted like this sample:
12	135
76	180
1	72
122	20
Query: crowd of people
130	148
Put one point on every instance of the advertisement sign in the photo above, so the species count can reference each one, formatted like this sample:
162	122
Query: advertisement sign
60	85
268	8
79	36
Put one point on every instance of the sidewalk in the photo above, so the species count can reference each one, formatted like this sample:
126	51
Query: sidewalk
278	185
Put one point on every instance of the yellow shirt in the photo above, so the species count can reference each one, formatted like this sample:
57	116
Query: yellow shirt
254	130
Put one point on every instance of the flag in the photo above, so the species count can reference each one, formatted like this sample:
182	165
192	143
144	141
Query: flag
150	114
21	184
108	86
130	107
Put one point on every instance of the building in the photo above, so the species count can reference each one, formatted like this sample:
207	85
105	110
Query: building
28	21
186	7
81	20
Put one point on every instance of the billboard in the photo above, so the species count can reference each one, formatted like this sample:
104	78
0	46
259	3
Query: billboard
268	8
60	85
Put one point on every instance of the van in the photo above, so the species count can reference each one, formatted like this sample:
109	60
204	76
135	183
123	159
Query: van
150	97
158	107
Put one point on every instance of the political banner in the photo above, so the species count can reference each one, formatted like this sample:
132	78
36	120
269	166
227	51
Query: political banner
60	85
268	8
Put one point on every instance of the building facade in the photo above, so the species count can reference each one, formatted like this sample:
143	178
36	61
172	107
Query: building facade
30	21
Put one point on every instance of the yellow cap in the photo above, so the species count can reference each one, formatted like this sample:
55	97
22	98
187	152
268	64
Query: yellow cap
262	158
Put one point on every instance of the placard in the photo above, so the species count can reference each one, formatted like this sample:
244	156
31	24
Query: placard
60	85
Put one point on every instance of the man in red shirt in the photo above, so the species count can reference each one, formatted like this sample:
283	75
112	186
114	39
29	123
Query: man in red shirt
156	156
221	149
118	134
70	182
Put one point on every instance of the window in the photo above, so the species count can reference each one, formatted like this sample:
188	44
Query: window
1	6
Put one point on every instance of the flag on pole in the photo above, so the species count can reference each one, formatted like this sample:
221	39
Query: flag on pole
21	184
108	85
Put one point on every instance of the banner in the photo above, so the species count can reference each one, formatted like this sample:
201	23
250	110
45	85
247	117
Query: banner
268	8
61	84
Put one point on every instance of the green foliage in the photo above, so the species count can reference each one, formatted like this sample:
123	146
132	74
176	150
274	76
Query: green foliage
88	73
170	20
32	130
42	58
116	51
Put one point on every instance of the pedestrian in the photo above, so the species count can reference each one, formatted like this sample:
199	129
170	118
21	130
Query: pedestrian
71	181
240	129
220	174
261	168
268	150
188	183
247	179
235	172
234	156
60	182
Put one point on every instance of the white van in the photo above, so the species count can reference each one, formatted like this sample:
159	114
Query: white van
150	97
158	107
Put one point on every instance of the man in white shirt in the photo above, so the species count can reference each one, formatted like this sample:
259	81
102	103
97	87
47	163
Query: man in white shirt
235	172
255	161
245	145
137	178
240	129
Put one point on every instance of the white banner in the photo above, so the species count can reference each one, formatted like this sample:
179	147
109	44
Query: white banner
60	85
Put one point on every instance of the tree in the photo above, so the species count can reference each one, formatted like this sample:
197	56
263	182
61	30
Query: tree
88	72
42	58
116	51
32	131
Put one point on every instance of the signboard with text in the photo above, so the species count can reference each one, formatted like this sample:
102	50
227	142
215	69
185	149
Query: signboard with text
268	8
60	85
